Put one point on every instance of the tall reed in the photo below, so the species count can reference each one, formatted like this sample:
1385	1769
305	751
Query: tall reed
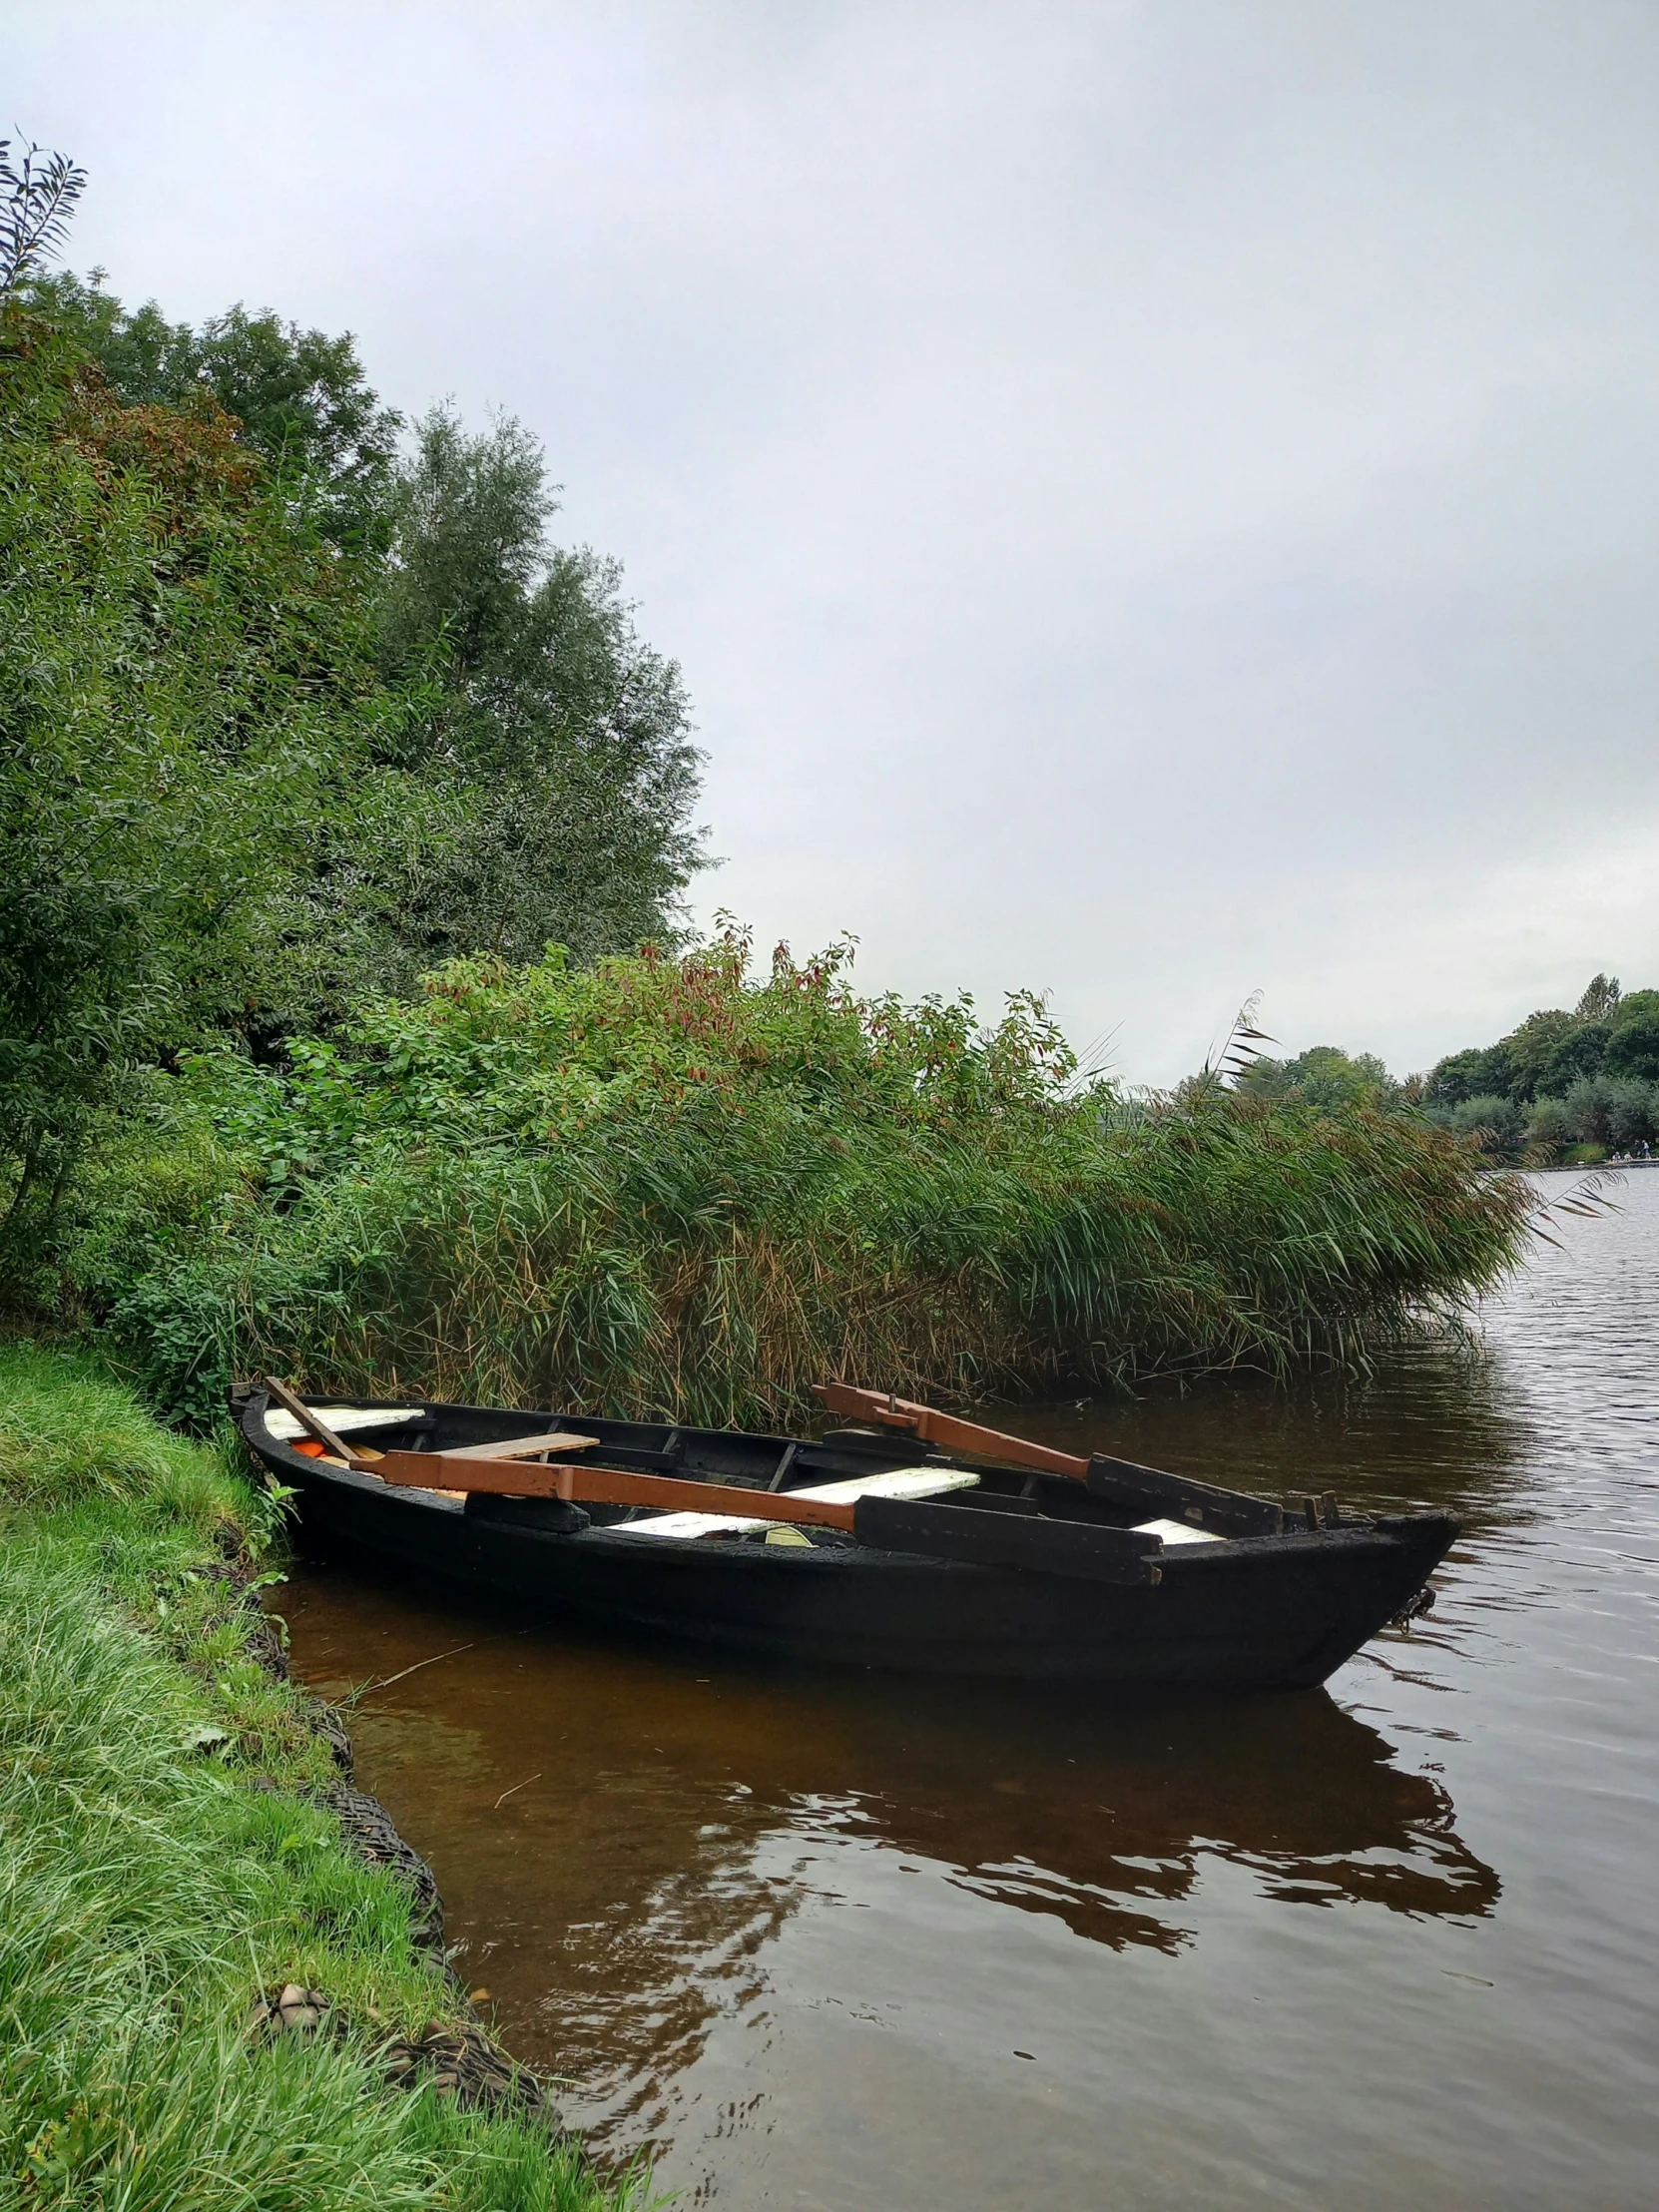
661	1188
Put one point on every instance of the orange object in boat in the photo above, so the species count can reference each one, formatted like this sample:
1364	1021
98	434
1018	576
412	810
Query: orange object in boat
310	1446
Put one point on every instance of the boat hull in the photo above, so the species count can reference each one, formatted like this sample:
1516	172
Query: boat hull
1269	1612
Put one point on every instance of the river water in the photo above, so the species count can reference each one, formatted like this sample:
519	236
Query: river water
816	1941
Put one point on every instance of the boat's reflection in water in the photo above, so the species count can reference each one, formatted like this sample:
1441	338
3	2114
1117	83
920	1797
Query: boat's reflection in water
640	1848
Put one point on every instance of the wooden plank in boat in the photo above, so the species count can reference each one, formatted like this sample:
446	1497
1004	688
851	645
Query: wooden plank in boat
582	1484
888	1482
345	1420
507	1448
1177	1532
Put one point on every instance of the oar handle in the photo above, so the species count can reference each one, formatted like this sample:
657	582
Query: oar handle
930	1426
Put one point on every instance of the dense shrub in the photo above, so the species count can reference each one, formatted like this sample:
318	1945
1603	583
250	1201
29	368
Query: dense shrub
1495	1123
657	1186
1612	1111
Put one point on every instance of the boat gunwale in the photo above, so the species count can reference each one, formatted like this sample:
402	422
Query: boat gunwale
1360	1532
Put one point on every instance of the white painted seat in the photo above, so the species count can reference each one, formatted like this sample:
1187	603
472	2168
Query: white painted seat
343	1419
1178	1532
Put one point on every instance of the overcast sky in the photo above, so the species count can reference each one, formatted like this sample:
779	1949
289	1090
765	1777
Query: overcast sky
1152	501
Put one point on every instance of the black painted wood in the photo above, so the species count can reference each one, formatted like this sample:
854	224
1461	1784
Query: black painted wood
1027	1544
1179	1498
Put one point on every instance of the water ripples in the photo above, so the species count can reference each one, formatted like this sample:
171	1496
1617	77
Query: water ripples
821	1940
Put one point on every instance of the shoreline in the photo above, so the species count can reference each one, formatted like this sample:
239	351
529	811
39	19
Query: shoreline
226	1965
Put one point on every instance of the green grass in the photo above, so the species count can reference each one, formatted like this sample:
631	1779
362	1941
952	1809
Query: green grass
149	1892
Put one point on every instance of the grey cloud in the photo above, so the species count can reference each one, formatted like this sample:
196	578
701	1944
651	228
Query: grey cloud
1152	500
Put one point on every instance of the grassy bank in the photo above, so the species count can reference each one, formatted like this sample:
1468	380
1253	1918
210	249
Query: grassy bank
669	1188
163	1859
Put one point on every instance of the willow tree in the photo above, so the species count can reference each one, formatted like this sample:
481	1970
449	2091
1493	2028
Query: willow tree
567	738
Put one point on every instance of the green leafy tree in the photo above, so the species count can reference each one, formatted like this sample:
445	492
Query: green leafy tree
300	398
1324	1076
1633	1047
1553	1050
566	739
552	774
1483	1071
280	721
1635	1006
1578	1052
189	724
1533	1047
1599	1000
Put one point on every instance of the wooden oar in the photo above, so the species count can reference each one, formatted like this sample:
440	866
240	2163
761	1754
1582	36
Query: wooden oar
930	1426
308	1420
1203	1504
581	1484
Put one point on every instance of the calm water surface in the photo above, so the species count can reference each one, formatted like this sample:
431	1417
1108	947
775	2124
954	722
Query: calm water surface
862	1942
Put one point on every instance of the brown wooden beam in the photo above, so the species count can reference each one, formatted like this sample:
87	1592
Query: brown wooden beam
508	1447
581	1484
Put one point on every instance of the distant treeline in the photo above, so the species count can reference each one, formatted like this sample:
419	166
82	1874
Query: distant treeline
1562	1085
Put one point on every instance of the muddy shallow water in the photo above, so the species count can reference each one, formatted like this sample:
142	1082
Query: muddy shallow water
855	1942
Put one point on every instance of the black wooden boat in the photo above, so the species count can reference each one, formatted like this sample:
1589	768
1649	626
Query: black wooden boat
1128	1576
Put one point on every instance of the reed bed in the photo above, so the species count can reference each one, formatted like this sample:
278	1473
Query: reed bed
662	1189
1235	1243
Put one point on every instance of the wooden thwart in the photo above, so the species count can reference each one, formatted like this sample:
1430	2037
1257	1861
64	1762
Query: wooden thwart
509	1447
